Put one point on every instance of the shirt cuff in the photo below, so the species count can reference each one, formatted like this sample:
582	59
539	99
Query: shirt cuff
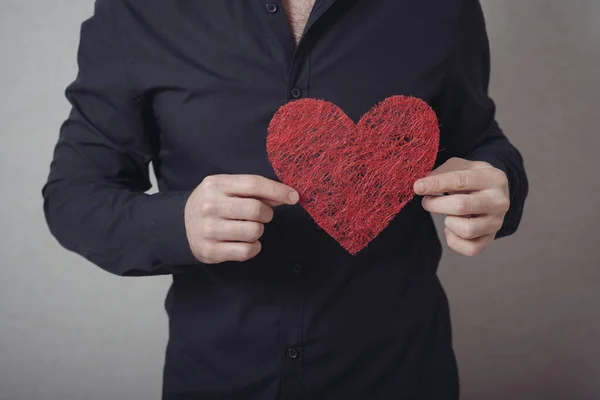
166	229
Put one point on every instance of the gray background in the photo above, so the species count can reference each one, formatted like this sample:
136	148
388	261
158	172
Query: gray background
526	312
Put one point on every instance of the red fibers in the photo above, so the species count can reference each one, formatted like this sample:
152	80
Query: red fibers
353	178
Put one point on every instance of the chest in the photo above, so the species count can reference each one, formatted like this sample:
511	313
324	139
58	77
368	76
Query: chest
216	74
297	12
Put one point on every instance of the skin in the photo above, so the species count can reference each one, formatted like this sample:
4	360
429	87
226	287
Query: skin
474	197
298	12
225	216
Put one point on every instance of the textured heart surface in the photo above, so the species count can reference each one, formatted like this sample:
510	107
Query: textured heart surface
353	178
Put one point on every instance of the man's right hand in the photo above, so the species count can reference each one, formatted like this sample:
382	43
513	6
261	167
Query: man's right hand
225	215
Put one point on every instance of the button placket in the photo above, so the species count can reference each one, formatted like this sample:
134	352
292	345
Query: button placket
291	333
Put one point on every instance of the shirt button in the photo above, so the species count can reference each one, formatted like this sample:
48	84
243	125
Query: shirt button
293	353
297	268
296	93
272	8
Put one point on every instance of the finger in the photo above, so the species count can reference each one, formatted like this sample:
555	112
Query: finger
232	251
224	230
258	187
245	209
460	204
465	247
472	228
456	181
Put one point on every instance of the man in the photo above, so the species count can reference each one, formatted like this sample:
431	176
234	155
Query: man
264	304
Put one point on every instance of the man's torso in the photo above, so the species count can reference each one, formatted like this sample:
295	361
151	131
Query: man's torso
212	74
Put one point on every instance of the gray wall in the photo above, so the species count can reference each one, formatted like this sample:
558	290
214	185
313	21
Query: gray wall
525	313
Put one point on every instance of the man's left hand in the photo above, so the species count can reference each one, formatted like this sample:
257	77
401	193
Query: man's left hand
474	197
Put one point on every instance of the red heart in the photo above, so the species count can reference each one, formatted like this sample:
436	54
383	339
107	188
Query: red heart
353	178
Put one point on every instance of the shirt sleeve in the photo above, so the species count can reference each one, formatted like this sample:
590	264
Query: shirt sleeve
94	199
467	114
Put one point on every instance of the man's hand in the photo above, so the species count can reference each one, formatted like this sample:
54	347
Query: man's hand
225	215
474	196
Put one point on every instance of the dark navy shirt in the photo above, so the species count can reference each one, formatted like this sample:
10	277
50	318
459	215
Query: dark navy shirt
189	87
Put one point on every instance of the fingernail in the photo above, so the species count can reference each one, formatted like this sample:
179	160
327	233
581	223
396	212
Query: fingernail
294	197
421	187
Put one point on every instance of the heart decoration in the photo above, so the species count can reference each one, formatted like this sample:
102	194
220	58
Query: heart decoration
353	178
